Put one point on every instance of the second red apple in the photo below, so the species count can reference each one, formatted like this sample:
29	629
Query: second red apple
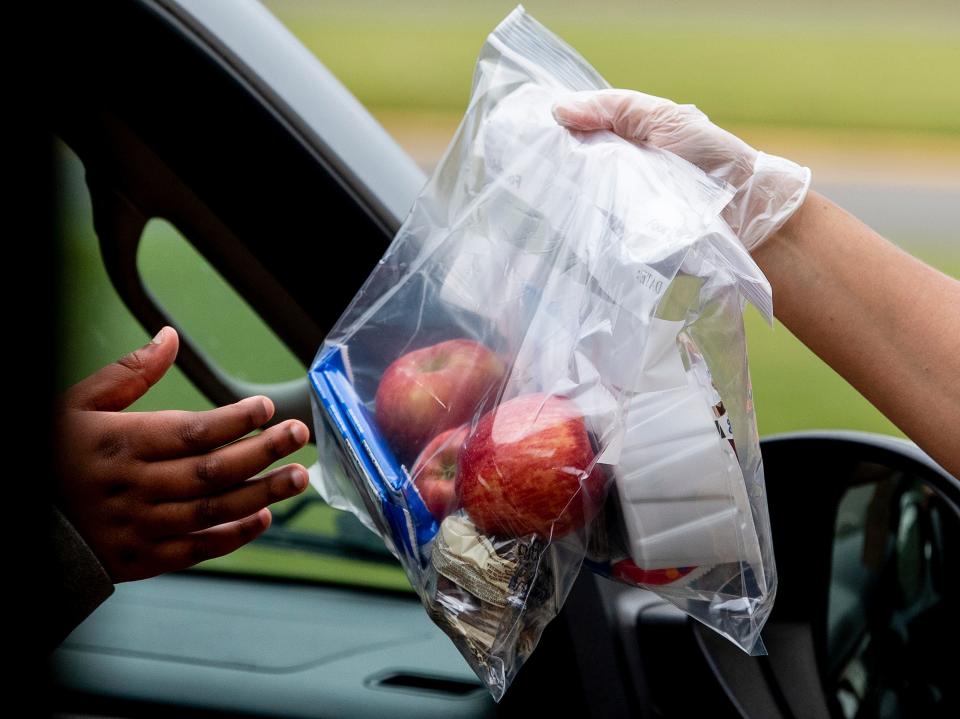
435	471
528	468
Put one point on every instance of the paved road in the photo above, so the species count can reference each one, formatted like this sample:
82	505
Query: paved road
909	215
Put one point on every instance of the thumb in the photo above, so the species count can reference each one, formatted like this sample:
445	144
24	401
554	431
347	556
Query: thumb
120	384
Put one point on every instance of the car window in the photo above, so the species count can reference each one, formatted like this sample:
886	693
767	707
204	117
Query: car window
206	306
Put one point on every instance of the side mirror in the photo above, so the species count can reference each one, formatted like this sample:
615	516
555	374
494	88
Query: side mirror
866	531
892	595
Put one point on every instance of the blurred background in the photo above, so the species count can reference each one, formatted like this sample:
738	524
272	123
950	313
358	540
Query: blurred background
866	94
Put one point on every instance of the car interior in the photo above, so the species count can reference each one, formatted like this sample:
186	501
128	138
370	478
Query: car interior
216	120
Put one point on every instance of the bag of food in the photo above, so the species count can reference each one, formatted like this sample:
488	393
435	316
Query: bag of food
548	370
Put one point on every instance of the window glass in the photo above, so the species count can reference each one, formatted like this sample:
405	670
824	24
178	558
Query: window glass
210	310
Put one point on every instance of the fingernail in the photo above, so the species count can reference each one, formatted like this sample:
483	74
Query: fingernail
299	432
300	479
264	517
161	336
557	111
566	106
266	405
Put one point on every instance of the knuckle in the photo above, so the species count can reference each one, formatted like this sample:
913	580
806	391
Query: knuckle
134	366
208	511
133	361
689	114
200	550
208	469
112	444
121	514
249	529
667	113
274	444
129	552
116	488
195	433
132	556
279	488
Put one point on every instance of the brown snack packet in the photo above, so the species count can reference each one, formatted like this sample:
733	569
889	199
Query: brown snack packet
470	560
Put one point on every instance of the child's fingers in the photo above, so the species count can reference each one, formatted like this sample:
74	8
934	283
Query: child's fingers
170	434
170	519
190	549
217	471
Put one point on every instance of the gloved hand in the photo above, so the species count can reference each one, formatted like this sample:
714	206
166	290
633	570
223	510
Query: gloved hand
769	189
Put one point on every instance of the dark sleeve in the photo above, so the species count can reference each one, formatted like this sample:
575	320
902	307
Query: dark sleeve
77	581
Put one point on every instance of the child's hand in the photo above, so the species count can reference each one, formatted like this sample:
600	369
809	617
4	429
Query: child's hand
153	492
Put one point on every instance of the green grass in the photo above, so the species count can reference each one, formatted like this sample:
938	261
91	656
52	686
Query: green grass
779	64
297	564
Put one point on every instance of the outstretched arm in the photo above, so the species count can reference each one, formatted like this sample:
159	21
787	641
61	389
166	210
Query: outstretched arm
884	320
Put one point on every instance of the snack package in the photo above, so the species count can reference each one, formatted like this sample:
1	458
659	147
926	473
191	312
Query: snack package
547	370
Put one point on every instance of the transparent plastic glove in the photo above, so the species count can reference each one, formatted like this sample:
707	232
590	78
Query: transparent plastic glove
769	188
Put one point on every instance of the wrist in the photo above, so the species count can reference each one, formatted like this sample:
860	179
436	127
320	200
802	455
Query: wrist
767	201
792	227
783	257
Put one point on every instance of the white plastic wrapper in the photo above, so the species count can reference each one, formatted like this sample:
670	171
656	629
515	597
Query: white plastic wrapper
548	370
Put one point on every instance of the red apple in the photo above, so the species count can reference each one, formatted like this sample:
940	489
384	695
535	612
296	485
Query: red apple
431	390
529	468
628	572
435	471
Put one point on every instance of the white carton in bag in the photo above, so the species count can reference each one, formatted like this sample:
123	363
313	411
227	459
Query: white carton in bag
681	490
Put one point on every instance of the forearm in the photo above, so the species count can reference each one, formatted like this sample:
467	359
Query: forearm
885	321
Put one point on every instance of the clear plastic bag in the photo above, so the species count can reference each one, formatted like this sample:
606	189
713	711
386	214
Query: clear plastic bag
548	369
